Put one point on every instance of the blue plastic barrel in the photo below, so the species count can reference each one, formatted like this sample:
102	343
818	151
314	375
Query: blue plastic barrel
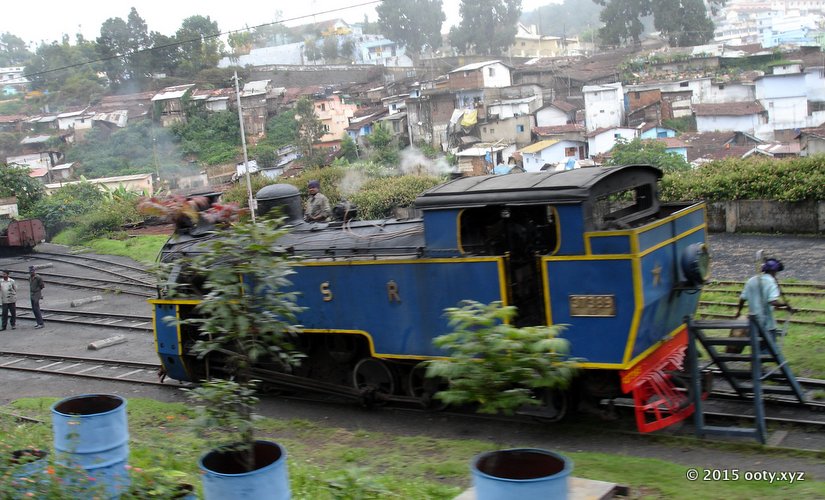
223	478
521	473
91	433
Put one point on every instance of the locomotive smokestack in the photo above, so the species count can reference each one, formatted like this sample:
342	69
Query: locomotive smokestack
286	196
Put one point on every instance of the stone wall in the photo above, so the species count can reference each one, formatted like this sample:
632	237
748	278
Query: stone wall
761	216
305	76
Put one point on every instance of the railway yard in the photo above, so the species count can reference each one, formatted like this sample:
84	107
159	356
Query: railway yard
98	338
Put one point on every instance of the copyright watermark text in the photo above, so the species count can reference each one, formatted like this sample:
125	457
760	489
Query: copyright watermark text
695	474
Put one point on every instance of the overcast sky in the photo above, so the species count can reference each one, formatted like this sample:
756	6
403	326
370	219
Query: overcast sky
49	19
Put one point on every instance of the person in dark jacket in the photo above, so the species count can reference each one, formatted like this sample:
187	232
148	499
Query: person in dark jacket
36	291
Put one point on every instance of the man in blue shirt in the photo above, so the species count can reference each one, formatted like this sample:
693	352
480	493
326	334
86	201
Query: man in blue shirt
762	294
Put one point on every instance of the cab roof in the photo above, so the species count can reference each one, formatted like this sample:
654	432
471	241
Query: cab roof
569	186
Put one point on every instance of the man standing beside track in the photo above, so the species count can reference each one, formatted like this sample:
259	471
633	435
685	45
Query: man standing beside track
36	287
8	296
762	294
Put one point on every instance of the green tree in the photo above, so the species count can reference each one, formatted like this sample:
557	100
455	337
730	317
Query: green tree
414	23
113	44
349	150
139	41
311	50
684	22
348	49
200	45
573	17
164	56
13	50
282	129
487	27
15	181
622	20
649	152
56	63
330	48
381	141
309	131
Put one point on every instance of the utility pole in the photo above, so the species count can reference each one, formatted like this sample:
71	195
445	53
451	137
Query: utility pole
243	143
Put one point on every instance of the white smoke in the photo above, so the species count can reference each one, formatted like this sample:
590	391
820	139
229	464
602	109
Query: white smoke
352	182
414	162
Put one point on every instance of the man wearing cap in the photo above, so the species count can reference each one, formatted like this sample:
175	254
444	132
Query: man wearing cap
8	297
762	294
317	206
36	287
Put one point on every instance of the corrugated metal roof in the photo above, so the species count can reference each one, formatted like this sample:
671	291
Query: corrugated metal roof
175	92
538	146
474	66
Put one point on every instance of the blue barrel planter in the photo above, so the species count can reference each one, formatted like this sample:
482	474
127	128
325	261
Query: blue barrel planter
223	475
29	464
521	473
91	433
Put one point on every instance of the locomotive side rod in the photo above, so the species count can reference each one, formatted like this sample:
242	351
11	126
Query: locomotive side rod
366	396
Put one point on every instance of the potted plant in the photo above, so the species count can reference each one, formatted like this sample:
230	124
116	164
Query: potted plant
501	368
246	316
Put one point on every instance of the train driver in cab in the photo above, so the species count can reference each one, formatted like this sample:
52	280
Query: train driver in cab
317	206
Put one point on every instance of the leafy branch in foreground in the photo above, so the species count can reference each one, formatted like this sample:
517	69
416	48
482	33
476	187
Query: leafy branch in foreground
247	315
499	366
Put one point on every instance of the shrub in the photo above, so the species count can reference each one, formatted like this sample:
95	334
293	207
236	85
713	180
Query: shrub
755	178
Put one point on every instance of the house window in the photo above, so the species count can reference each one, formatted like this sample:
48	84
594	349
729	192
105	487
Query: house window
637	94
569	151
322	107
491	71
523	44
492	130
617	136
683	84
395	127
484	129
326	128
519	128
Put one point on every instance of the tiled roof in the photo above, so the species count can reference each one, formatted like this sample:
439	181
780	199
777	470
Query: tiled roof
558	129
728	109
670	142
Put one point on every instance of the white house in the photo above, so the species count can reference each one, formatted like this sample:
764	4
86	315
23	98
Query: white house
815	83
734	116
603	106
552	151
556	113
601	141
485	74
76	120
784	98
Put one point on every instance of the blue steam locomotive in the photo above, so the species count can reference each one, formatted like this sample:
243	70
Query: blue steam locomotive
592	248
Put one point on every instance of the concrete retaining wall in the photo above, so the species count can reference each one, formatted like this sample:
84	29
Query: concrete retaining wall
762	216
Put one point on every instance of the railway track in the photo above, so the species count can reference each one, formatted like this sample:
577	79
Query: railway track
91	318
103	285
132	372
135	274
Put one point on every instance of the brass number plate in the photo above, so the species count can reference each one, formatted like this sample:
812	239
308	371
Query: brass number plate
593	305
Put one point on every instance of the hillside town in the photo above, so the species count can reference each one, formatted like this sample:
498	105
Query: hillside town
549	103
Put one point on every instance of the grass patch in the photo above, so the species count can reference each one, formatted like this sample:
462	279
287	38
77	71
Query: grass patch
143	249
328	462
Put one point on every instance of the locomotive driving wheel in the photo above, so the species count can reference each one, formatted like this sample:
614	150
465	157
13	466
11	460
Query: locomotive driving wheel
424	388
375	377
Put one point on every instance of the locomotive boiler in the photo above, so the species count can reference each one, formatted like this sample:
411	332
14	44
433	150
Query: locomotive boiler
593	248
